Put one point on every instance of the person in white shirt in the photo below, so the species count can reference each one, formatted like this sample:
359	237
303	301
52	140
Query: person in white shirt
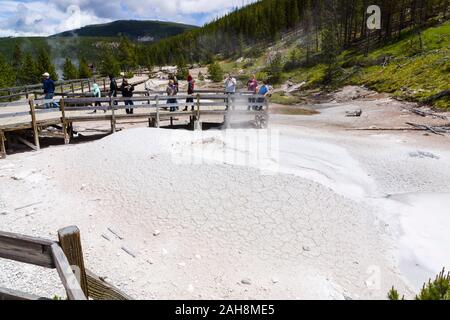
230	84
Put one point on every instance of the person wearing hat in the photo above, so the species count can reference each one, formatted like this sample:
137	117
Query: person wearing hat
49	90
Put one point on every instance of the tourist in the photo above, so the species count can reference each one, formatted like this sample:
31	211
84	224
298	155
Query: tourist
49	90
113	87
264	91
97	94
172	91
173	77
127	92
190	91
230	87
252	86
230	84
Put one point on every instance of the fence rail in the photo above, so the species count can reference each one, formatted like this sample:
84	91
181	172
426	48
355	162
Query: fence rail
62	88
156	108
66	256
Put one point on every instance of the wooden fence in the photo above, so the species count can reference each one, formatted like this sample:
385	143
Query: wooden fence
156	108
62	88
66	256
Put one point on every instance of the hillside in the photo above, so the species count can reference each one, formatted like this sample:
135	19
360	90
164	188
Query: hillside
145	31
327	44
400	67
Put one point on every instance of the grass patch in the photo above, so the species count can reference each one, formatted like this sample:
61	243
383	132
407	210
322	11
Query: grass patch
294	111
282	98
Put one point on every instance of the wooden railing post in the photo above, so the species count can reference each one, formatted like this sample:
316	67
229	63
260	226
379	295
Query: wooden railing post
104	84
157	111
70	242
82	86
64	122
34	124
113	117
26	92
228	109
197	124
2	145
89	85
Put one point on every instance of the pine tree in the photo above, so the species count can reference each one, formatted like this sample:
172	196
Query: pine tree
275	69
69	70
17	58
127	54
44	64
182	69
28	73
330	52
215	72
109	65
7	76
83	69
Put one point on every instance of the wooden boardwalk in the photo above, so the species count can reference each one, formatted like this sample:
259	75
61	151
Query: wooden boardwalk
33	116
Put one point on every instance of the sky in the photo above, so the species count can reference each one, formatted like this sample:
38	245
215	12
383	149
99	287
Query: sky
44	17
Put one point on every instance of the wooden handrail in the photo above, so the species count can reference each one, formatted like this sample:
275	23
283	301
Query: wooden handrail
65	256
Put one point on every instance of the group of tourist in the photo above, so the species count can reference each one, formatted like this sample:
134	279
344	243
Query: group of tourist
127	90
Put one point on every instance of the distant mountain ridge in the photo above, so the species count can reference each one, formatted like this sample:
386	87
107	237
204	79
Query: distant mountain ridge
139	30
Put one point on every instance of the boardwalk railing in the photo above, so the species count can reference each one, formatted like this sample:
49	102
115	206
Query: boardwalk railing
66	256
63	88
156	108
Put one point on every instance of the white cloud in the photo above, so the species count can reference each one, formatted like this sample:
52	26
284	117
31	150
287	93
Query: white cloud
44	17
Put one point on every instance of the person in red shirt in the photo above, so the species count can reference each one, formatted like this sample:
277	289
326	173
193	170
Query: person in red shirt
190	91
252	86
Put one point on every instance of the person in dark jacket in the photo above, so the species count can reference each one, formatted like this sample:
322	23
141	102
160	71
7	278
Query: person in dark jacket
127	92
49	90
190	91
113	87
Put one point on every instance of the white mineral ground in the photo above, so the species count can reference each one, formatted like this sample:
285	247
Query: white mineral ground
329	213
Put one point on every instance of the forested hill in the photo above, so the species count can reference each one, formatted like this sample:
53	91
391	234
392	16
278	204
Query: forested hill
266	20
133	29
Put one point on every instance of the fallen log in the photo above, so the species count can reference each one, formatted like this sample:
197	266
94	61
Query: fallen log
437	96
426	127
387	129
425	113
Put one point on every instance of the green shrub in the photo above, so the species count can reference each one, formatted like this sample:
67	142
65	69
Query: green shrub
439	289
215	72
128	75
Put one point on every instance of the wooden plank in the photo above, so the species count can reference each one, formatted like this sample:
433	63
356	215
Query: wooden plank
2	145
102	290
9	294
34	124
28	144
157	111
64	121
69	281
113	119
70	242
26	249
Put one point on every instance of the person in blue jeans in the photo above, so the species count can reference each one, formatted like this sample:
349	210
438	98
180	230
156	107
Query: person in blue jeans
49	91
264	91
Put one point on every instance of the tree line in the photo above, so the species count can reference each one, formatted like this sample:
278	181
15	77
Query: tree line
326	26
265	21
